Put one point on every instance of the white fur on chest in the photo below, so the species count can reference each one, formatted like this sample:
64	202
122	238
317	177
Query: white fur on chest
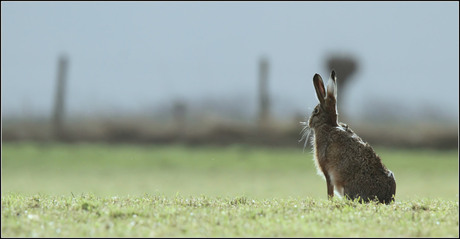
315	158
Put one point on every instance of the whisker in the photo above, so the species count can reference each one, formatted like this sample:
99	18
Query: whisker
307	137
306	131
304	128
305	134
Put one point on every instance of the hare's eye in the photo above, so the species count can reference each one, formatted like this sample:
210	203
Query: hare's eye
315	111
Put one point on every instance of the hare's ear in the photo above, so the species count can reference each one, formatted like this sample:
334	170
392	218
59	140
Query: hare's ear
319	87
332	86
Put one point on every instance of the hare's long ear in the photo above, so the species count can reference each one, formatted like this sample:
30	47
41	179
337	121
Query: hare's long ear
319	87
332	86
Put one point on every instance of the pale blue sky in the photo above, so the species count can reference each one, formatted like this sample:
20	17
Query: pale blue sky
134	56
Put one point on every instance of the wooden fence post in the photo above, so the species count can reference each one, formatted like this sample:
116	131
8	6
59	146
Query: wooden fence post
179	114
264	99
59	100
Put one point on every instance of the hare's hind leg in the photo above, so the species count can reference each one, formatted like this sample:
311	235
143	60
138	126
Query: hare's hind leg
330	186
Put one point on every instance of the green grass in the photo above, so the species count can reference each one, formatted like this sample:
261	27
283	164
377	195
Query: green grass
159	216
126	190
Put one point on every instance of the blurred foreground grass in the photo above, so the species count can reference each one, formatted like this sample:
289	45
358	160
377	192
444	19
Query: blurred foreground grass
203	216
258	172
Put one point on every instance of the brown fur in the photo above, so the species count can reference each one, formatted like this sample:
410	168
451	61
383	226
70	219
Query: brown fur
350	166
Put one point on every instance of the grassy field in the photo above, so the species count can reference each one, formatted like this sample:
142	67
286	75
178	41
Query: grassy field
159	216
125	190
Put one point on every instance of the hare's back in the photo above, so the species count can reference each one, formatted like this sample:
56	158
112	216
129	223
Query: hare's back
351	155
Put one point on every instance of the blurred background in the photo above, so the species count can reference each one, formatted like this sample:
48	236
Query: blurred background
216	72
226	73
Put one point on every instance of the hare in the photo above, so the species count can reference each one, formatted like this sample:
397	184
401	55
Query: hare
350	166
